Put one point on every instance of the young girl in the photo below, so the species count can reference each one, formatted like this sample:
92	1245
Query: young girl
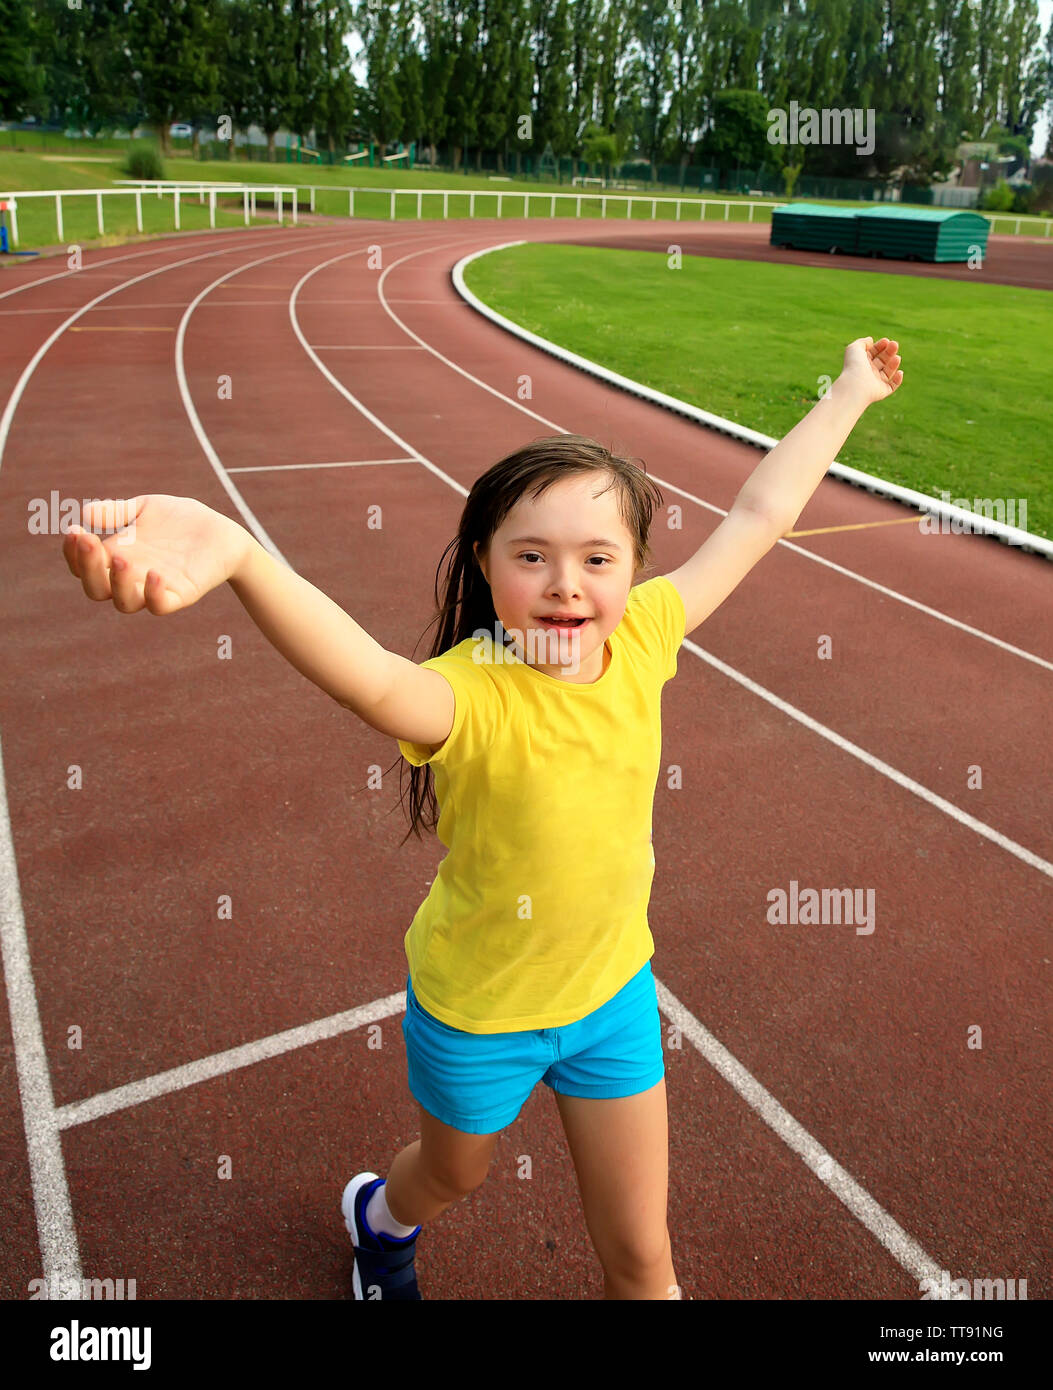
538	714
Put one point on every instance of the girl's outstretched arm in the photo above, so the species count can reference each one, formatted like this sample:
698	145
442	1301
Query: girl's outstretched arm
777	491
168	552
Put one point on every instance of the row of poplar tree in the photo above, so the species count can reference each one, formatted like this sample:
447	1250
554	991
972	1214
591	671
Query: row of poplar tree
669	81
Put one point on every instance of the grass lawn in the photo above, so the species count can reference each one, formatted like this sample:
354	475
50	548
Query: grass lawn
750	341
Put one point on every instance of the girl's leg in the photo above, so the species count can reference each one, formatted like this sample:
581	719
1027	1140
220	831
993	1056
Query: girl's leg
620	1150
443	1165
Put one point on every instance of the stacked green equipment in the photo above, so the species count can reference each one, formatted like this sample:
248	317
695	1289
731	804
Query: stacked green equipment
913	234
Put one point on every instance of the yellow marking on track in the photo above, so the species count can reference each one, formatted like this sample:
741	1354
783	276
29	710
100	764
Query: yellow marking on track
860	526
121	328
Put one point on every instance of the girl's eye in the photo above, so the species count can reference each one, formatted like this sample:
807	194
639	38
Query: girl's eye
528	554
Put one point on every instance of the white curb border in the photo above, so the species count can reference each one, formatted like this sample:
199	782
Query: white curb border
974	521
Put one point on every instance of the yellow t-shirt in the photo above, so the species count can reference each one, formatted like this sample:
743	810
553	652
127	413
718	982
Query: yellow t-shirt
538	913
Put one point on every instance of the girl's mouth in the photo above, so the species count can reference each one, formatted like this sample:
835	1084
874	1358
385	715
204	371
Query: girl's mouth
563	624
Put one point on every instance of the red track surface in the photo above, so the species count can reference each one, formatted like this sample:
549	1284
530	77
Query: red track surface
205	777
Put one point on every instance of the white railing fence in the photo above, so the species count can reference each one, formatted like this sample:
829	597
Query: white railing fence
177	188
623	203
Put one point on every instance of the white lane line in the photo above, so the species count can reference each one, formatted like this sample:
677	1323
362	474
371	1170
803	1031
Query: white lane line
223	474
859	1202
31	366
882	589
220	1063
94	267
286	467
367	347
709	506
55	1229
947	807
476	381
903	1248
339	386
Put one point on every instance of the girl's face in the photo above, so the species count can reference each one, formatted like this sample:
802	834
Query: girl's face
565	553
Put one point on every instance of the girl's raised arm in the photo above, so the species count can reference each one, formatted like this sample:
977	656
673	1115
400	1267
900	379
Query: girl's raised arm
776	492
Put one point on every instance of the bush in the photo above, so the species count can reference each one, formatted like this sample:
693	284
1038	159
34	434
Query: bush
144	162
999	198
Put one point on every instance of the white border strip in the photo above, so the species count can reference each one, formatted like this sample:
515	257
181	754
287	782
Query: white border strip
56	1232
1008	535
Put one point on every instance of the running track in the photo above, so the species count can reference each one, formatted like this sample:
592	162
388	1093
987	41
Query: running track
832	1136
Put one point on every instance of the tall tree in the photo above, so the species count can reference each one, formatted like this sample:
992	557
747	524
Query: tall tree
169	42
1024	93
439	57
584	66
241	61
273	69
338	89
382	103
550	41
685	68
305	23
464	95
21	78
504	80
655	35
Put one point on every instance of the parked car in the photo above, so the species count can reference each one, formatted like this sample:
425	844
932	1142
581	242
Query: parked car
181	128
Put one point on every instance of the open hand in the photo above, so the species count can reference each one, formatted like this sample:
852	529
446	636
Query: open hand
165	553
871	368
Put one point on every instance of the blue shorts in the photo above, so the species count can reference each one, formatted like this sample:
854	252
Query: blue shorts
479	1082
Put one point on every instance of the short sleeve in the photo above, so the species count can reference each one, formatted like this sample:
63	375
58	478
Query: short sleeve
662	620
476	712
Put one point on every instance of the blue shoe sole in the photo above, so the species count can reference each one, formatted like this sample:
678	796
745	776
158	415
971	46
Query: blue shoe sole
383	1265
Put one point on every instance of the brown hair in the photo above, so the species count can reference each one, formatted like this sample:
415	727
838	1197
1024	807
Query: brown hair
466	603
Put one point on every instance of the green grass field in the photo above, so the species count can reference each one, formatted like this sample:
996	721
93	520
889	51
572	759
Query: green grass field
750	340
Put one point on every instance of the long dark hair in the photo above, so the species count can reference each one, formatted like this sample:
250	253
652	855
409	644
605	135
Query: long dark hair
465	603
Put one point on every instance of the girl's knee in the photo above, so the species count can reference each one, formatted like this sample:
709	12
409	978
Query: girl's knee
455	1162
454	1183
637	1258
